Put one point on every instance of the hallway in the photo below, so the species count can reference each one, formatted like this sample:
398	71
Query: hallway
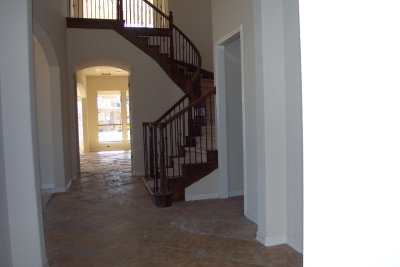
107	219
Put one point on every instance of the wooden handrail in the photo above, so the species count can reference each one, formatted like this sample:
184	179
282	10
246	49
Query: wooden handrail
190	106
192	44
183	98
156	9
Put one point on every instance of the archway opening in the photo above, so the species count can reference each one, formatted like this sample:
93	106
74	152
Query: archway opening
103	109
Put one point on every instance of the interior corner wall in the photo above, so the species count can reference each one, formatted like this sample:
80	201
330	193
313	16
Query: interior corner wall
5	251
274	229
234	123
228	16
44	121
50	16
194	18
270	45
152	92
281	74
294	124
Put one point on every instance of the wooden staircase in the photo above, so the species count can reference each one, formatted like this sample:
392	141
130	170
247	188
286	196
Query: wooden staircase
180	147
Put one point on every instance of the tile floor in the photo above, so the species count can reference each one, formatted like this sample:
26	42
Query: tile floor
108	220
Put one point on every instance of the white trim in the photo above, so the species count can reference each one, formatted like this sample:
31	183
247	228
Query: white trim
236	193
270	241
53	190
250	216
202	197
221	123
138	173
296	245
221	112
244	144
46	186
68	185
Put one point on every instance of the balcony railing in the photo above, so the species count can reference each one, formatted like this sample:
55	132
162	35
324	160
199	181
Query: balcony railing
135	13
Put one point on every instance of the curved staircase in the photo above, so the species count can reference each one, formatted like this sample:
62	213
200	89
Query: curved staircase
179	147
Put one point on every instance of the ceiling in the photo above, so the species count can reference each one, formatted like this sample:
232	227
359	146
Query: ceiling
104	71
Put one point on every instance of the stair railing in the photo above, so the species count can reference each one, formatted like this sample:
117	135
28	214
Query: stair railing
136	13
180	49
144	14
170	143
177	107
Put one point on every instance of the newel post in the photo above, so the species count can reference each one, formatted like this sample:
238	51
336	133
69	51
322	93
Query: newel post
120	11
171	36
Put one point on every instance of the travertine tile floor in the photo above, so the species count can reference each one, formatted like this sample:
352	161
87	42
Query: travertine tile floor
108	220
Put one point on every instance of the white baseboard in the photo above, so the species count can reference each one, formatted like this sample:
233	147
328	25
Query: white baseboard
223	195
236	194
202	197
138	173
54	190
46	186
279	240
51	189
68	185
296	245
250	216
271	241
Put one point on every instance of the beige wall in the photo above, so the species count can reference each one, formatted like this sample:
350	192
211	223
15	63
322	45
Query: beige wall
193	17
152	92
95	84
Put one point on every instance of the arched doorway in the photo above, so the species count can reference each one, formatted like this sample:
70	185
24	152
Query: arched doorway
103	107
49	116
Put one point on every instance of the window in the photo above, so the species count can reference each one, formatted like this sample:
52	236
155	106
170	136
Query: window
128	118
109	116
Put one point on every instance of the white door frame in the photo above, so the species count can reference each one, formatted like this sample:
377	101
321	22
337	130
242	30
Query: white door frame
221	113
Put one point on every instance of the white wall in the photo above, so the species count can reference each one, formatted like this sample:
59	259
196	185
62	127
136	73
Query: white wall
234	123
227	16
49	27
294	124
193	17
273	229
5	251
206	188
283	125
18	137
152	92
269	85
44	121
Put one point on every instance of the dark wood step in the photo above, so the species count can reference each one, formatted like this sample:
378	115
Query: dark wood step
147	31
106	24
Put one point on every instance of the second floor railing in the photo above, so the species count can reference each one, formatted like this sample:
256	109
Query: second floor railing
148	14
135	13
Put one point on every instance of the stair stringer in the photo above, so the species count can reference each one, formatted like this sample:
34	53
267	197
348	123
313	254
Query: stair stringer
172	69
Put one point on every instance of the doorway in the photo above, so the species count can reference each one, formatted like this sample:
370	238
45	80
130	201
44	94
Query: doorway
103	109
230	112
